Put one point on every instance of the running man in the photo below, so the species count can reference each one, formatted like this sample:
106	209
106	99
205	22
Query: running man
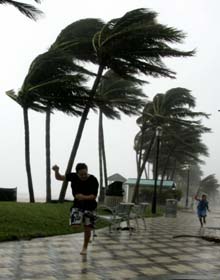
84	189
202	208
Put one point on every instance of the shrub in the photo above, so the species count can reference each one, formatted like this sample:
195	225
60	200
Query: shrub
147	195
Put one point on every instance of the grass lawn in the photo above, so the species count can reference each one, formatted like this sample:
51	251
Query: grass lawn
30	220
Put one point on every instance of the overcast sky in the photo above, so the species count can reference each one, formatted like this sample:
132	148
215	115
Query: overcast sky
22	40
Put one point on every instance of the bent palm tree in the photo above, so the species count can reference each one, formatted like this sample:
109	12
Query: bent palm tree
28	10
53	82
131	45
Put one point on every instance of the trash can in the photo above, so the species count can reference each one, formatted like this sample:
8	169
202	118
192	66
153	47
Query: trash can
8	194
171	208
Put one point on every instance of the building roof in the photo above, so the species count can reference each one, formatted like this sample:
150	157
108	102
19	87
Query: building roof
150	182
116	177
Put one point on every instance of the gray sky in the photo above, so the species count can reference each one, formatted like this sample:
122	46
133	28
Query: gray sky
22	40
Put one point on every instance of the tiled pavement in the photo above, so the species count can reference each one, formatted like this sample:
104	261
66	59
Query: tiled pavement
151	254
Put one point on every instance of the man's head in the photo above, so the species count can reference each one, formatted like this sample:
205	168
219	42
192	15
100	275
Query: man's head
82	171
203	197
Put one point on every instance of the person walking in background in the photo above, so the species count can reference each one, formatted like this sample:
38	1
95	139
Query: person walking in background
84	189
202	208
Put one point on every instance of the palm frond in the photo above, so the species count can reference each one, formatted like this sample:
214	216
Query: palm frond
135	43
76	39
116	94
28	10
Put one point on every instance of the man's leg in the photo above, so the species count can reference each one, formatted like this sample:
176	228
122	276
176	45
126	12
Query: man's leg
200	219
87	235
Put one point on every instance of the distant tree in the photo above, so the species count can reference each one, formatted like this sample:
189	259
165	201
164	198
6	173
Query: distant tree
173	112
210	186
195	176
180	145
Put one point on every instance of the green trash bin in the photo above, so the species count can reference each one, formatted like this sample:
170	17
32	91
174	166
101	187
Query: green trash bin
171	208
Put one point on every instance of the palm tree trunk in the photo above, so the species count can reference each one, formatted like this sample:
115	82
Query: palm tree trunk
162	180
79	133
164	172
145	171
27	154
48	163
104	155
174	170
139	153
137	162
146	156
141	147
101	195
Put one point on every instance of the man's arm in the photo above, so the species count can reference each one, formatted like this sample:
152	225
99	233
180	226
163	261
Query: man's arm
207	206
58	176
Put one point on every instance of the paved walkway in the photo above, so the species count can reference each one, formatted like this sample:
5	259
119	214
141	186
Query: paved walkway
151	254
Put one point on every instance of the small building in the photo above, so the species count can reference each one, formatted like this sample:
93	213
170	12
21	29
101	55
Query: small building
144	184
116	178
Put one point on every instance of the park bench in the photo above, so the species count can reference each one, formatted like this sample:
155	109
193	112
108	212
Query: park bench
123	212
139	212
116	215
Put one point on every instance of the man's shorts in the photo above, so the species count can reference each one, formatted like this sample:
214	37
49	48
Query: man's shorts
80	216
201	213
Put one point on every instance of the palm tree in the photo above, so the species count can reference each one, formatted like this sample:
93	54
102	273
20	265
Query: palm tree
25	102
210	186
169	111
131	45
180	145
28	10
114	95
52	81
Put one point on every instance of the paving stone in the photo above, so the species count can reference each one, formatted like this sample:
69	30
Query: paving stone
152	254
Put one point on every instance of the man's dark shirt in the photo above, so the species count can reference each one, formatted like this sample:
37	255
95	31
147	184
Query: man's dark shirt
87	187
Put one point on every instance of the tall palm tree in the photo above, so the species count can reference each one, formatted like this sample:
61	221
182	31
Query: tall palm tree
115	95
25	102
170	110
53	82
131	45
28	10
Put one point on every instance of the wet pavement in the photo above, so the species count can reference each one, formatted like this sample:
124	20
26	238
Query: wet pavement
152	254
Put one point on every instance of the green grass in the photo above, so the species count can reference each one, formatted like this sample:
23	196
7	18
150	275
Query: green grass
29	220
